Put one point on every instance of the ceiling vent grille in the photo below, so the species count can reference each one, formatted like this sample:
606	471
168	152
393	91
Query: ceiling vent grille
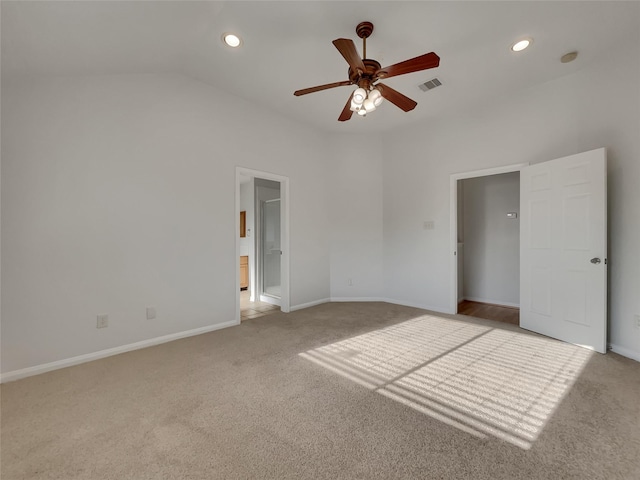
430	84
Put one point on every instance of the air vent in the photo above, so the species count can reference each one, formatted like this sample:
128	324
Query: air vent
430	84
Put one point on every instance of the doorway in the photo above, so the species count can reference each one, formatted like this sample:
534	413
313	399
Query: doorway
263	260
485	243
563	247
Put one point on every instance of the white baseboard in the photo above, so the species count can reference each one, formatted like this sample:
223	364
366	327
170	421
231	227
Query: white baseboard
68	362
293	308
492	302
337	299
625	352
358	299
416	305
367	299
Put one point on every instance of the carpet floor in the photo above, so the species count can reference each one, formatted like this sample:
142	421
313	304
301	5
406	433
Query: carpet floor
337	391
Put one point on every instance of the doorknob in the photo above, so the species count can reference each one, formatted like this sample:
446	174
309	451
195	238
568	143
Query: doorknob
595	260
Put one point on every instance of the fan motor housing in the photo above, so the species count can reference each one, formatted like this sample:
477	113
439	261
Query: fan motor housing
371	67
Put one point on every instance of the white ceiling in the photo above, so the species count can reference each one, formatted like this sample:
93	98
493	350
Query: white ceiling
287	46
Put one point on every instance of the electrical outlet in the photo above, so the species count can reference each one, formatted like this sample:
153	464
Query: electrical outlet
151	313
637	317
429	225
350	282
102	321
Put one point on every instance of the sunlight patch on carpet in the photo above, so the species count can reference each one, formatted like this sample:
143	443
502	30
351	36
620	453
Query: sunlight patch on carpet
479	379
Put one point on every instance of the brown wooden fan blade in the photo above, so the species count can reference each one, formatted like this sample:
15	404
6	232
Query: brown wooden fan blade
297	93
346	111
348	50
395	97
423	62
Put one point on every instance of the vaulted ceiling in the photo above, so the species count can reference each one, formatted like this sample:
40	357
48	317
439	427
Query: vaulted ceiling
287	46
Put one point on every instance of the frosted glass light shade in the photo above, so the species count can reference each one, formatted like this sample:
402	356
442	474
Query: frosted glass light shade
359	95
376	97
369	106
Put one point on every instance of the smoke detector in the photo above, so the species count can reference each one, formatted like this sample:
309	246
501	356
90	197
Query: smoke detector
569	57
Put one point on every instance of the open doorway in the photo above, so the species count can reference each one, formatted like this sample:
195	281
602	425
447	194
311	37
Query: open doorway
486	231
262	244
563	247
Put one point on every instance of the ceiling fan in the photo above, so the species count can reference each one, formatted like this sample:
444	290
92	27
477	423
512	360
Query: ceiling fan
366	73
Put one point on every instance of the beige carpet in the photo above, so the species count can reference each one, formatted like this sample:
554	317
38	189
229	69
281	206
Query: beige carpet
338	391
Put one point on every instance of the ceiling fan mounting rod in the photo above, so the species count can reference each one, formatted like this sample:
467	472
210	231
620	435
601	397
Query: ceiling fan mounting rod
364	30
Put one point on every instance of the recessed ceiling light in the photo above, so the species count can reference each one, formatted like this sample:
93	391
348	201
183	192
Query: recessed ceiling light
231	40
521	44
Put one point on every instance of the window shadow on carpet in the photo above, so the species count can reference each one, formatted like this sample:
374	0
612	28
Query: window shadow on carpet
479	379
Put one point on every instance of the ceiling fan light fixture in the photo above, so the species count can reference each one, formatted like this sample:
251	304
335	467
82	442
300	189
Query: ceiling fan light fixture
359	95
521	44
369	105
376	97
365	72
231	40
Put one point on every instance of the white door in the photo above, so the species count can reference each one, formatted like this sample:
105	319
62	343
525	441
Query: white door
563	235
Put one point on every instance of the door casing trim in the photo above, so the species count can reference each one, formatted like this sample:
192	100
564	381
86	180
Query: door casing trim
284	232
453	225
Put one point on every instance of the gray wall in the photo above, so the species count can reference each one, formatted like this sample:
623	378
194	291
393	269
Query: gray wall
118	193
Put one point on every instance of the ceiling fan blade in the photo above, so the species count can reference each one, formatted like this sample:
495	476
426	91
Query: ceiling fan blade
348	50
395	97
297	93
423	62
346	111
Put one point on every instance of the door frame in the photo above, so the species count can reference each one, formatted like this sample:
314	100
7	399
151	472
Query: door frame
453	225
284	234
